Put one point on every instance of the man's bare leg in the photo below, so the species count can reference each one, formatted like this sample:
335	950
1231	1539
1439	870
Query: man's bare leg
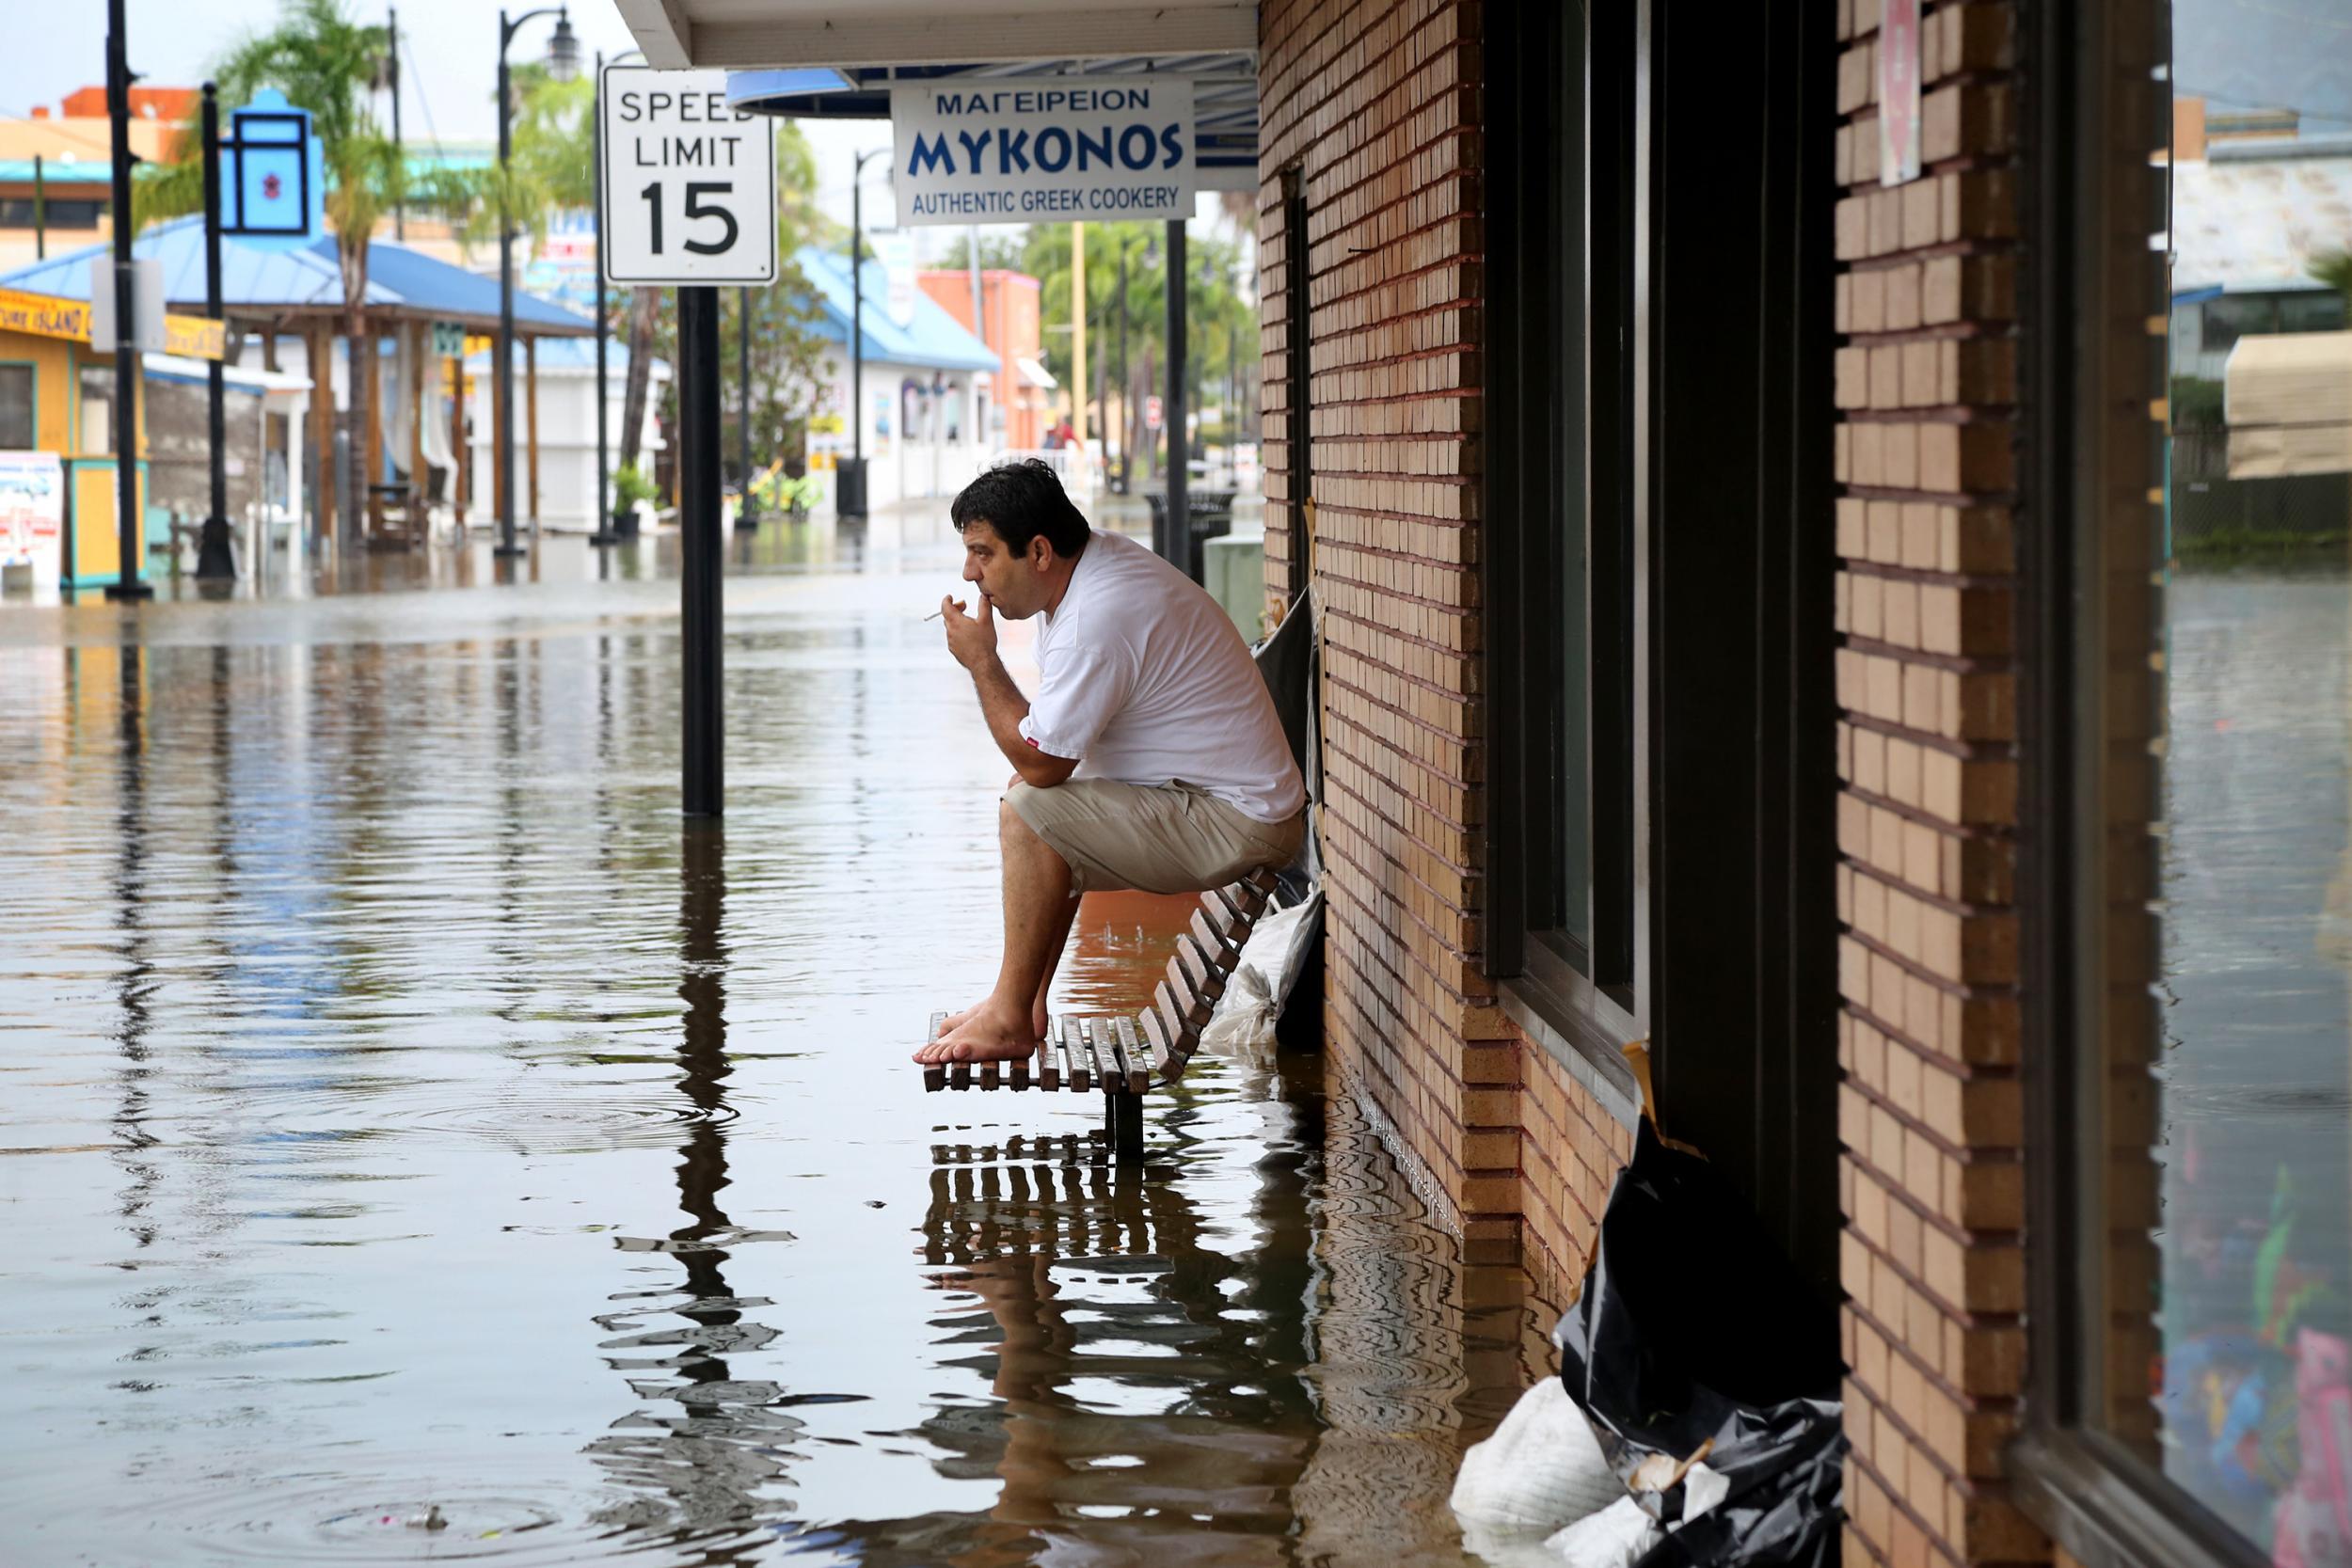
1039	1015
1036	888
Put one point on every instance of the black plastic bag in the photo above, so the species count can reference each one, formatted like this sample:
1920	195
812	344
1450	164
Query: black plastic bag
1693	1326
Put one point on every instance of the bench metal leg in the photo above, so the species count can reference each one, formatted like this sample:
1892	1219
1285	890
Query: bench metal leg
1122	1119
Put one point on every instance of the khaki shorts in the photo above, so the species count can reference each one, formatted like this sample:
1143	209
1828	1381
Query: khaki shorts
1177	838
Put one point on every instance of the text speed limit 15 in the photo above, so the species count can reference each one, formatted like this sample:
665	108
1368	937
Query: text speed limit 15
690	184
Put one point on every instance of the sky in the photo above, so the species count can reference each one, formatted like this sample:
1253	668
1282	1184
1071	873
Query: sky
449	55
448	58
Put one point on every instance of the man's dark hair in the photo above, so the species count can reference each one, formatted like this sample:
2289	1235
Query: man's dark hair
1021	500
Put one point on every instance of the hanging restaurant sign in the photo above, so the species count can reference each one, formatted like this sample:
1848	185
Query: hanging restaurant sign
49	316
1043	149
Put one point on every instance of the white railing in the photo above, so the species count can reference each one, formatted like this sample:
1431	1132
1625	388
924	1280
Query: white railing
1073	466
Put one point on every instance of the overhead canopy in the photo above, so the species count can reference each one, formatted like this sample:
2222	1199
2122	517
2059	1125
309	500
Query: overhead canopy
1034	373
730	35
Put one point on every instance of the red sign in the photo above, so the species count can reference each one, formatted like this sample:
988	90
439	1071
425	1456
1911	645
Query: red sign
1899	92
1152	412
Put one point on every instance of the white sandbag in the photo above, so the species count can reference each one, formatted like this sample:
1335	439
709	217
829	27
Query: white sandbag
1242	1028
1618	1536
1542	1467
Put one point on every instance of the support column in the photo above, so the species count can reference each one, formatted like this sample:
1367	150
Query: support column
700	546
531	426
373	445
1172	401
501	480
462	481
321	356
420	351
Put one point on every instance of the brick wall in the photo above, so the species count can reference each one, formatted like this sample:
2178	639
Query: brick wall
1375	109
1929	1107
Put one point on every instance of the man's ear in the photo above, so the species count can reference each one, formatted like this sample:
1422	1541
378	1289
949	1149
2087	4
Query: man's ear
1041	553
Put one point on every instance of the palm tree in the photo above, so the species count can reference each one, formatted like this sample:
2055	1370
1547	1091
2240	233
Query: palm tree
327	63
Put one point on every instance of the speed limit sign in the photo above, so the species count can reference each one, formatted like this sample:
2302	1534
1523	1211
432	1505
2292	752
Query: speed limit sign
690	184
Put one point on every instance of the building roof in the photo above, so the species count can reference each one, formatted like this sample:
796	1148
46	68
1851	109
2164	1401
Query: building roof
248	277
2251	221
931	338
578	355
453	293
405	282
53	171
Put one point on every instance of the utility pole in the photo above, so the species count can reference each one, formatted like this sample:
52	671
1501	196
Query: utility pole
40	210
129	524
849	496
603	533
746	510
213	559
1078	325
400	147
1179	500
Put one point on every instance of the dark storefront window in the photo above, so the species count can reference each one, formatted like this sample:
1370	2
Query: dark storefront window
2194	1241
18	213
1562	262
16	407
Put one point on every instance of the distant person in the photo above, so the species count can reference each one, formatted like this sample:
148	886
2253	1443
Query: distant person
1151	758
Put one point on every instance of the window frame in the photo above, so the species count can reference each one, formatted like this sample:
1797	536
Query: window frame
1540	438
2100	1501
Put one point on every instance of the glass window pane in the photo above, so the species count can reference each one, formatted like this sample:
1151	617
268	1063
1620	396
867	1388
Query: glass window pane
2252	1366
16	407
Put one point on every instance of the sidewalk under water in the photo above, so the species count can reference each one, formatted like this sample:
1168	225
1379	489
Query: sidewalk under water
403	1110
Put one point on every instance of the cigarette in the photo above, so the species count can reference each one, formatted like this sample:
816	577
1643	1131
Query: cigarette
935	615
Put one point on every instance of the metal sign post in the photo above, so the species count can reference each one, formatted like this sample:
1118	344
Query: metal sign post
688	193
129	524
213	559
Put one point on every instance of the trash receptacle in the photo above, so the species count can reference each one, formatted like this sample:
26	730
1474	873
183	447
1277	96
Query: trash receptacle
849	488
1212	517
1209	514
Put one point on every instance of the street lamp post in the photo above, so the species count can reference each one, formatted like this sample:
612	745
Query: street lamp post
1126	385
746	510
562	64
129	524
605	533
849	489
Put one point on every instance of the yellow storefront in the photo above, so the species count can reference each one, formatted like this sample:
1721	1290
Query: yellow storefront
57	396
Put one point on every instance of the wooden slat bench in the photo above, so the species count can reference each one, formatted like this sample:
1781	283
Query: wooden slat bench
1123	1057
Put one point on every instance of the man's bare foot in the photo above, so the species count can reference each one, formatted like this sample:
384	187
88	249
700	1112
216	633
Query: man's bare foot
1038	1019
984	1036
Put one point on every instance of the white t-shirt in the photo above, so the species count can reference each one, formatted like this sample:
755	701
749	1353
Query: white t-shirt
1144	678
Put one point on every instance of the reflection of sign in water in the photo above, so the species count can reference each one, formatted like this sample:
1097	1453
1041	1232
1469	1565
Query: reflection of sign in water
1051	147
32	513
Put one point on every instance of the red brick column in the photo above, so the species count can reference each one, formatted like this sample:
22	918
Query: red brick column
1929	1107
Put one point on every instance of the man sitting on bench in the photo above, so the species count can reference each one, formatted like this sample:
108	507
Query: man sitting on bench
1153	757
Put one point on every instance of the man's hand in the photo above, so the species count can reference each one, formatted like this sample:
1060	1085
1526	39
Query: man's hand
972	639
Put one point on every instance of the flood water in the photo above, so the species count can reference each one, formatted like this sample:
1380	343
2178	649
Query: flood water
401	1110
